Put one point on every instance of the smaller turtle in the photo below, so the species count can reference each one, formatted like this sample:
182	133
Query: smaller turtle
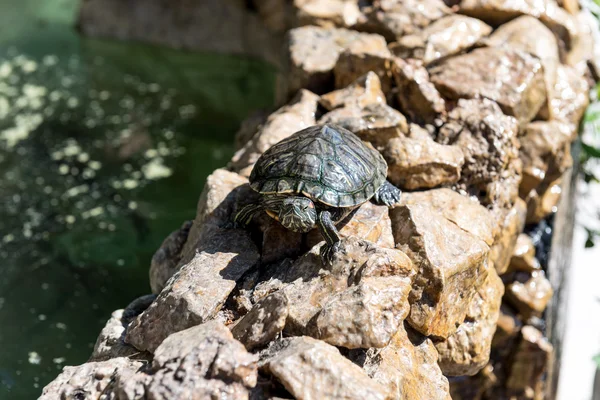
318	176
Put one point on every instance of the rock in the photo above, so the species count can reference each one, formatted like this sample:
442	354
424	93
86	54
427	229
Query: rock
313	53
362	92
264	321
90	380
165	261
249	127
545	153
198	290
327	13
582	56
512	78
432	43
376	123
312	369
279	243
298	114
407	367
467	351
529	293
542	201
523	257
394	19
488	139
202	362
417	96
370	222
473	387
530	360
351	65
528	34
507	329
110	343
463	211
449	261
569	97
510	224
422	164
358	302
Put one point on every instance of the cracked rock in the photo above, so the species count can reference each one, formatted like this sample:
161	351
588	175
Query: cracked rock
523	257
165	261
529	293
362	92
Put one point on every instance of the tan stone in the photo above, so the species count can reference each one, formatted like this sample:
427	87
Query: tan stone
463	211
312	53
422	164
362	92
110	343
449	261
569	97
530	360
523	257
327	13
433	43
510	223
529	293
508	327
417	96
473	387
297	115
512	78
543	201
467	351
165	261
375	123
312	369
351	65
408	367
370	222
263	322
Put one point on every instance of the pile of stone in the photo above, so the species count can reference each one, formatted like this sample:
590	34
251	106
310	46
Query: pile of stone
474	107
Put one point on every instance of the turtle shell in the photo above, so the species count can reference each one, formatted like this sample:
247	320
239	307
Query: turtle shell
326	163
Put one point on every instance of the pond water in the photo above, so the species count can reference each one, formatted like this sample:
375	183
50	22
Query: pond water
104	149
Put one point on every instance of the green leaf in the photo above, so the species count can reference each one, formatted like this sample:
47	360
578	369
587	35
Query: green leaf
591	151
597	360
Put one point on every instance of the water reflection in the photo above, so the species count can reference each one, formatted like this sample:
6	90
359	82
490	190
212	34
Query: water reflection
97	166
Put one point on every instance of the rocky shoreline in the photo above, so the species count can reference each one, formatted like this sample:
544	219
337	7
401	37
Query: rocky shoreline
474	105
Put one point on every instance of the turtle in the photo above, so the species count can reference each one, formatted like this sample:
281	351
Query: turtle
317	177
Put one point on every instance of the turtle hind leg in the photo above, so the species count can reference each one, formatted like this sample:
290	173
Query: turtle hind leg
245	215
331	235
387	195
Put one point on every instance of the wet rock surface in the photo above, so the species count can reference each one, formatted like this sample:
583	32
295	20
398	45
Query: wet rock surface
474	105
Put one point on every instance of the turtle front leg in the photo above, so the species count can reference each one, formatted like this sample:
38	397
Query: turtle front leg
387	195
245	215
331	235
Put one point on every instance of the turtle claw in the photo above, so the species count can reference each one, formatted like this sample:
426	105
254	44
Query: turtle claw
328	252
388	195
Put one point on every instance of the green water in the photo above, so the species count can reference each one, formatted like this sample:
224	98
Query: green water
104	149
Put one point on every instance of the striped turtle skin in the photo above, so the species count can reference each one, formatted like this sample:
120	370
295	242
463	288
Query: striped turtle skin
326	163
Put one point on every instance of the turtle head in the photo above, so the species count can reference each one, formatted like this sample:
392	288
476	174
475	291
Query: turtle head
298	214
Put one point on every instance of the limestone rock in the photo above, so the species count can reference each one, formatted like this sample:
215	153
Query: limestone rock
362	92
357	302
463	211
90	380
394	19
278	242
545	153
263	322
202	362
298	114
422	164
529	293
542	201
370	222
249	127
417	96
569	97
312	369
327	13
313	53
528	34
110	343
488	139
198	290
510	223
523	257
165	261
467	351
507	329
434	43
375	123
512	78
448	260
529	361
407	367
352	64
